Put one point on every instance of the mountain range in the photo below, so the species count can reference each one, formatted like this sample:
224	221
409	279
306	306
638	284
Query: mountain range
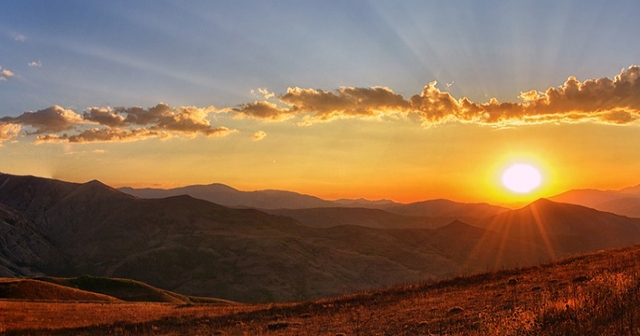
315	212
196	247
624	202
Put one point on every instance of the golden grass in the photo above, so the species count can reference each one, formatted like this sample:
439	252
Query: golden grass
32	316
594	294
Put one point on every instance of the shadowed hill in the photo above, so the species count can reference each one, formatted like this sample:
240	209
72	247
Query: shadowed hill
374	218
30	289
127	290
445	208
123	289
461	230
24	249
566	228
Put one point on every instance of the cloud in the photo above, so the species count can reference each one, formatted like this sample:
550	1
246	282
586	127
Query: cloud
346	102
612	101
266	94
601	100
125	124
102	135
184	119
263	110
5	74
104	116
37	64
259	135
8	131
51	119
19	37
322	106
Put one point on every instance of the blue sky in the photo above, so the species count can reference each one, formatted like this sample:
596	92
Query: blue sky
378	99
139	53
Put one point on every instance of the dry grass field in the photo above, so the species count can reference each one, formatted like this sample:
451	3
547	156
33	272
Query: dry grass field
592	294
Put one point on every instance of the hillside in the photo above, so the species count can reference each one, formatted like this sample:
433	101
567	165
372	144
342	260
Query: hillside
25	250
373	218
591	294
90	288
37	290
565	228
197	248
445	208
122	289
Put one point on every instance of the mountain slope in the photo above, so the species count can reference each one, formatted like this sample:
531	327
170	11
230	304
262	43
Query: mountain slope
445	208
373	218
566	228
24	250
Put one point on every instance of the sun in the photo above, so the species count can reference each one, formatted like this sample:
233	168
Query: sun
521	178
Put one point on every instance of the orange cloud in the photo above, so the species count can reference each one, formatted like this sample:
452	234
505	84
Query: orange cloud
602	100
613	101
5	74
263	110
8	131
101	135
118	124
51	119
119	135
346	102
104	116
259	135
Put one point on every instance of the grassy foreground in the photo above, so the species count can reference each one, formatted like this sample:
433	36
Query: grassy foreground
592	294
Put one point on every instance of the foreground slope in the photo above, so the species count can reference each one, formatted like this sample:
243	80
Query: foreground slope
37	290
91	288
591	294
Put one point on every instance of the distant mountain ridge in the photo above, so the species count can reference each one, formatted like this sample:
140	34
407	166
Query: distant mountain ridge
225	195
278	199
624	202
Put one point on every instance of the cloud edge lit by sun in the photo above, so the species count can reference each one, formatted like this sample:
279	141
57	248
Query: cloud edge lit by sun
603	100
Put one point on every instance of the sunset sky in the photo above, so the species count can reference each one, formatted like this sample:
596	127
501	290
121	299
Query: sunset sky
408	100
